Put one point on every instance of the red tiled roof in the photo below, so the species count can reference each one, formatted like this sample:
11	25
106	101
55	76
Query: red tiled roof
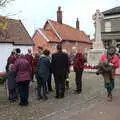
56	32
50	35
67	32
15	33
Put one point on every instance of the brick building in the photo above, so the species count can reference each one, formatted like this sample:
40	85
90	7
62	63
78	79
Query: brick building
110	27
55	32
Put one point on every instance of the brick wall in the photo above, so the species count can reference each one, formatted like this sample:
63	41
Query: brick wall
39	42
74	46
70	46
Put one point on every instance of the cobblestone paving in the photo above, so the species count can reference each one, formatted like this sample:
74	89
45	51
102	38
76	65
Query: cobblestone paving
53	109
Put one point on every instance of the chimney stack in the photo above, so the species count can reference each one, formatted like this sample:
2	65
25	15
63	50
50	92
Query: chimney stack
59	15
77	24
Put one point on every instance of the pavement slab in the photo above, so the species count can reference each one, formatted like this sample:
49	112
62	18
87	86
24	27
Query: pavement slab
91	104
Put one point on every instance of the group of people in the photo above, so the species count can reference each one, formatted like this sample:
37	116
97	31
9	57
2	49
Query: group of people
17	77
21	69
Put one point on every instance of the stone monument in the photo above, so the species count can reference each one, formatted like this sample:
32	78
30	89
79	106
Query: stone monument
98	47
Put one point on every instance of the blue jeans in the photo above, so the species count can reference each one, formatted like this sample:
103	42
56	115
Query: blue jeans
42	87
110	85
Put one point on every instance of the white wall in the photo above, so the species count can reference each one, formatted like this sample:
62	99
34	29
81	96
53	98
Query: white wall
5	51
24	49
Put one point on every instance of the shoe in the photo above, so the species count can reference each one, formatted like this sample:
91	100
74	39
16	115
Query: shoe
57	97
77	91
26	104
109	98
62	96
20	104
12	101
23	104
39	98
50	90
45	98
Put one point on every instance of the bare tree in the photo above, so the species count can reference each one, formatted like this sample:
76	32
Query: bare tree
3	3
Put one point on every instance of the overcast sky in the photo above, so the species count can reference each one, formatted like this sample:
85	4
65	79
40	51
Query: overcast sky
34	13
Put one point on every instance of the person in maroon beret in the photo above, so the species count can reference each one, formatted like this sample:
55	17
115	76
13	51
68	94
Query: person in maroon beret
29	57
11	59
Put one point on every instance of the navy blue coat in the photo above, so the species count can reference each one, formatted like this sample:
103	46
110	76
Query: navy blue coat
43	67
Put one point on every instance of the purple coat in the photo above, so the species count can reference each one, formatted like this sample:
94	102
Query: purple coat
23	69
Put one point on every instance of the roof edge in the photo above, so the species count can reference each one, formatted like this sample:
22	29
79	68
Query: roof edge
43	35
55	30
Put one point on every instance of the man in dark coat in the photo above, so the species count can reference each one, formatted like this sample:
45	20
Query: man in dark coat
60	67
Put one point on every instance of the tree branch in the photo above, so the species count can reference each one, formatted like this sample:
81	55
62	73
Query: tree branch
3	3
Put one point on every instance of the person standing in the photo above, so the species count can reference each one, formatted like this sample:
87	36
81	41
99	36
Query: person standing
49	81
35	62
11	59
29	57
11	83
109	62
43	70
60	68
23	76
78	65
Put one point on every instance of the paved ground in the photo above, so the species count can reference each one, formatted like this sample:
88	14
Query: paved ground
90	105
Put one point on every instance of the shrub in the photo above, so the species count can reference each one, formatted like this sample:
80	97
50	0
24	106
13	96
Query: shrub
1	78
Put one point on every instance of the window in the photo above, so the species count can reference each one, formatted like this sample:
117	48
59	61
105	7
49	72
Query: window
54	45
107	26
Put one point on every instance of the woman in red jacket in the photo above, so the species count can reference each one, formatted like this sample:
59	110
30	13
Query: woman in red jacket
23	76
78	65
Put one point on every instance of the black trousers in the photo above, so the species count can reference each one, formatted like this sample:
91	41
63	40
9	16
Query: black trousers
12	94
49	85
24	92
78	79
60	85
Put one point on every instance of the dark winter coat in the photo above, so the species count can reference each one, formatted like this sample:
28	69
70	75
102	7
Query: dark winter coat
106	70
22	69
43	67
60	63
